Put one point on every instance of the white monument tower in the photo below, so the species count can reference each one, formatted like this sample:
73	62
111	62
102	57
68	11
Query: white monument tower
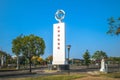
59	40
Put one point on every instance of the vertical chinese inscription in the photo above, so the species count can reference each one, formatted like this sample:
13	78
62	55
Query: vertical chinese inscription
58	42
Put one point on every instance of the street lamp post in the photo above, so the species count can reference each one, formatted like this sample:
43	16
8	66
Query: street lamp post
68	47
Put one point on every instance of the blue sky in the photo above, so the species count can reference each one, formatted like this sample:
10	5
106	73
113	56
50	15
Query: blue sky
86	24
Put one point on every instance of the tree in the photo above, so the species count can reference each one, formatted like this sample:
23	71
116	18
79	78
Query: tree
2	56
86	57
98	55
8	59
114	59
114	26
17	48
40	60
34	60
5	58
29	46
49	59
37	60
32	46
22	60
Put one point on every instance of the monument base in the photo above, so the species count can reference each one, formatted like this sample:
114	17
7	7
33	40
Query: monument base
60	67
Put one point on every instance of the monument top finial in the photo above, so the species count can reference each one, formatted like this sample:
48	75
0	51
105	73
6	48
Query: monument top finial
59	15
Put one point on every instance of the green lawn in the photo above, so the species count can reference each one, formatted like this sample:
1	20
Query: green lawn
101	76
114	75
55	77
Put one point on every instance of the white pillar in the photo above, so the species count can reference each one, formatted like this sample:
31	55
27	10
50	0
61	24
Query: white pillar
59	44
102	65
2	60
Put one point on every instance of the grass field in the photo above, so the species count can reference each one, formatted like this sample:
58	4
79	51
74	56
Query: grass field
55	77
79	76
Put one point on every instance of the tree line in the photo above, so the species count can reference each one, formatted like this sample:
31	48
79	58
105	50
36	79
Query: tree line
114	29
97	57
